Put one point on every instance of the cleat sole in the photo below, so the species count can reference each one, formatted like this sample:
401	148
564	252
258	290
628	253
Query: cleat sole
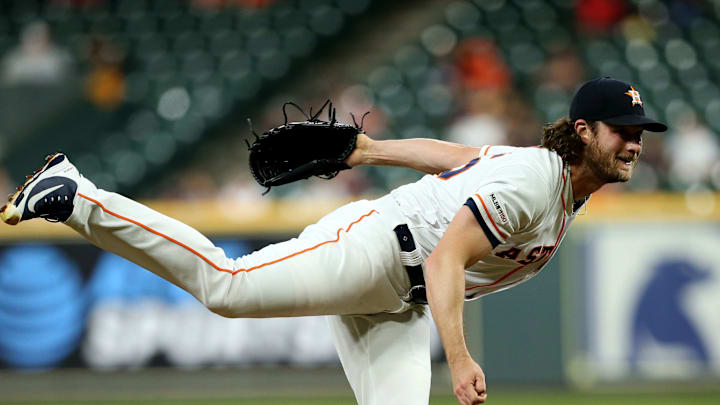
9	213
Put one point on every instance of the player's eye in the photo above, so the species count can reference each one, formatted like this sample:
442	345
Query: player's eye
631	135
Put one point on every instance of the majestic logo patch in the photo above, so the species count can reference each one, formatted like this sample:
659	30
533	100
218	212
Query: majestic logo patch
498	208
634	95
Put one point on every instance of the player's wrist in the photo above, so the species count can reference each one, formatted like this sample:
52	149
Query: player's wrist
458	358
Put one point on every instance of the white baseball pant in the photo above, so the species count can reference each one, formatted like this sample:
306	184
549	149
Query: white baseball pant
347	265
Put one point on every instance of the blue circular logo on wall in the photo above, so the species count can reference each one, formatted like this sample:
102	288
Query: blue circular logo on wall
41	306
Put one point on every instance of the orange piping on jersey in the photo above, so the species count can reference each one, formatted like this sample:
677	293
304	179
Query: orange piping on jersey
206	260
487	149
490	217
511	272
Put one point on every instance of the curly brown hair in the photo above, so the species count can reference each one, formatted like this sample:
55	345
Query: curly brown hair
560	136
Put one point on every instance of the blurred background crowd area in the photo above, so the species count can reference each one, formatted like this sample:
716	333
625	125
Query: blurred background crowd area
151	98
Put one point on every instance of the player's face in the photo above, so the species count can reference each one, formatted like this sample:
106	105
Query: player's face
613	152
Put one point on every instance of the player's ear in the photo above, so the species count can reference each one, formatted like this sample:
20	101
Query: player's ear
582	128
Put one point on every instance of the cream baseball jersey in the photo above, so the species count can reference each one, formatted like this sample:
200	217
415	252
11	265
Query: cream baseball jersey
522	199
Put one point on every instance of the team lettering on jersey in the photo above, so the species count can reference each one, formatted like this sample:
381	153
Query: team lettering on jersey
534	255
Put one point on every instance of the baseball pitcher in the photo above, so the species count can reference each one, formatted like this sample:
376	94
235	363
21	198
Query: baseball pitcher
482	220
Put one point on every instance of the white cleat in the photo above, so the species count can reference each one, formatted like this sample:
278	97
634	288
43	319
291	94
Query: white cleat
48	193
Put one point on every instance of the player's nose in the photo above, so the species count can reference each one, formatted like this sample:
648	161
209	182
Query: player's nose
634	147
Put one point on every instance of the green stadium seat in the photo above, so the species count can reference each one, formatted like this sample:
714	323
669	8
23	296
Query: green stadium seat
712	114
411	60
105	23
214	21
273	64
197	66
158	149
246	87
703	95
599	51
222	42
165	8
262	41
435	100
655	77
504	18
694	77
287	17
188	41
526	57
188	129
554	38
668	94
129	8
703	30
352	7
463	16
149	45
385	79
326	20
160	66
178	23
641	55
235	65
552	101
666	31
616	69
299	41
141	24
397	103
538	15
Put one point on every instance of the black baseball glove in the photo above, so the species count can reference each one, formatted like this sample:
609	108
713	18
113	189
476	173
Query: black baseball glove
299	150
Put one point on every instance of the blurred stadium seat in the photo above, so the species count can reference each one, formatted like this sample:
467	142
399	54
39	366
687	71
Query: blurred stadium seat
224	63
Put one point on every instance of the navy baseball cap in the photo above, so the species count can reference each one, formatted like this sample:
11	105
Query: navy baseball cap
613	102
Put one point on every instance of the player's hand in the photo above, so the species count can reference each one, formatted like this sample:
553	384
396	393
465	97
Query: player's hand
362	147
468	382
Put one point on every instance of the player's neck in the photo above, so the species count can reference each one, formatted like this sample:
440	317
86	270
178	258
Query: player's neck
584	181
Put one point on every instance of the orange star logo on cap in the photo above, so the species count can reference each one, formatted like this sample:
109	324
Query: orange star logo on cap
634	95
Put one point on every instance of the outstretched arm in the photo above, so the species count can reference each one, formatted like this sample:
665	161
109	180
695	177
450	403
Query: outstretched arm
426	155
463	244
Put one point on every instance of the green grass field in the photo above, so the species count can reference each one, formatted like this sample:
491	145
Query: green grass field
500	398
277	385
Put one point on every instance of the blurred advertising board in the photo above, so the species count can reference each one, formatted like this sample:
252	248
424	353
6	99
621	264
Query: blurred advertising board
66	303
74	305
642	298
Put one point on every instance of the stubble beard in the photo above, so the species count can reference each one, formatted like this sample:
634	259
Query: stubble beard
604	164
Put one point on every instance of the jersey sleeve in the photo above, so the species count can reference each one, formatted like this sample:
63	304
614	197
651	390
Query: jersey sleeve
509	203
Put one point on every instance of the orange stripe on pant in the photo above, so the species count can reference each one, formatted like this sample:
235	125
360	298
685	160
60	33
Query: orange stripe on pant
206	260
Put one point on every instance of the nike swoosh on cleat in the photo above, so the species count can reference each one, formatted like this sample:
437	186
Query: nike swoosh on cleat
39	196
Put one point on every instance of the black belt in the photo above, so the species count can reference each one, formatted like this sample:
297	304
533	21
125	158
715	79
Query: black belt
413	265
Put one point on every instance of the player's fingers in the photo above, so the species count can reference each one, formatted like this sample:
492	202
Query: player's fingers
466	395
480	389
480	386
470	397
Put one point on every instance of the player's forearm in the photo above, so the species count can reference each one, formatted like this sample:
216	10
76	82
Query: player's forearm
446	286
426	155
